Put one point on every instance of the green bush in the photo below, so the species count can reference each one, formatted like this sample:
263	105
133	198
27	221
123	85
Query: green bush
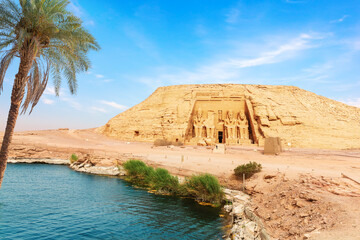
74	158
205	188
248	169
138	172
161	180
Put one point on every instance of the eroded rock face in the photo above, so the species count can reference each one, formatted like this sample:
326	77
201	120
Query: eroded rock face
239	114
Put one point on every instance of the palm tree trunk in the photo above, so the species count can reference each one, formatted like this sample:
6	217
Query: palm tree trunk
16	99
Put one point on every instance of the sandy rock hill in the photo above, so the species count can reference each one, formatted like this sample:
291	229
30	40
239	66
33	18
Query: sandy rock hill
299	117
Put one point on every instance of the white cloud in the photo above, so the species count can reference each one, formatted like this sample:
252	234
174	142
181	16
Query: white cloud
99	76
47	101
340	19
114	105
356	45
89	23
229	67
232	16
76	9
72	102
352	102
97	109
50	91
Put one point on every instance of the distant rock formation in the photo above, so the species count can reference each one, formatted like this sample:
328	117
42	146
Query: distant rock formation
239	114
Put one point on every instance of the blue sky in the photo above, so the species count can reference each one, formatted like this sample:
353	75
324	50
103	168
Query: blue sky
311	44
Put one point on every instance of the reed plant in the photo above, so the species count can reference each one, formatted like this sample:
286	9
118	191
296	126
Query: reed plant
205	188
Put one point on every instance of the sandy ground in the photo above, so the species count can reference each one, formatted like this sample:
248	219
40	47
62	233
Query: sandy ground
280	192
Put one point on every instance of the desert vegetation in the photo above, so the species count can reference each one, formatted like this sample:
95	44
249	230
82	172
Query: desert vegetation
204	187
74	158
248	169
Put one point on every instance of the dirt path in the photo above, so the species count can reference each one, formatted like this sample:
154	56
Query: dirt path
293	173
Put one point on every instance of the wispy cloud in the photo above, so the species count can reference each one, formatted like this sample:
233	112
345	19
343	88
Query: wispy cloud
356	45
97	109
113	104
229	68
340	19
232	16
75	7
72	103
99	76
352	102
47	101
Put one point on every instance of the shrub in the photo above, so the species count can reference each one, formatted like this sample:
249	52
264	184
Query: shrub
204	187
248	169
161	180
138	172
74	158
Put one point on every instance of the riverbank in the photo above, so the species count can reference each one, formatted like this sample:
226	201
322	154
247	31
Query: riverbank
245	225
282	194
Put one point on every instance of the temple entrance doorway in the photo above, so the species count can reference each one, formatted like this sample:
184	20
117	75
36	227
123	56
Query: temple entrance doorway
220	136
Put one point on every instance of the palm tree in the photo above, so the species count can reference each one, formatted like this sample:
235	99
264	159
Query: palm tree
48	40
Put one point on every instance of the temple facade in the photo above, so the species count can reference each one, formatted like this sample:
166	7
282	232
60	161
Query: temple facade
222	121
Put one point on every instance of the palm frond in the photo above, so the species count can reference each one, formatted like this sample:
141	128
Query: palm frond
56	39
4	65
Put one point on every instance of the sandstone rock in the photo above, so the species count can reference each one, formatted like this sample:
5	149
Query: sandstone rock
225	112
272	146
201	142
238	210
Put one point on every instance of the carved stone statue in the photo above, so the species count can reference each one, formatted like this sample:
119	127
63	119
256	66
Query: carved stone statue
230	124
210	125
243	126
198	123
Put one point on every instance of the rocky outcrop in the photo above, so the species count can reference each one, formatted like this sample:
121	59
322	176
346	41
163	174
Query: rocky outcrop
245	224
39	161
239	114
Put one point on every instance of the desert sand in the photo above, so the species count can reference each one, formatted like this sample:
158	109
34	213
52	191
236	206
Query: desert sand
300	193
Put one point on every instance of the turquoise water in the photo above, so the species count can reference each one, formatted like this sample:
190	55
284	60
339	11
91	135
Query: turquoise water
54	202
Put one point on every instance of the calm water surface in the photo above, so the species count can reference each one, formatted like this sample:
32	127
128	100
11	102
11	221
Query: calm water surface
54	202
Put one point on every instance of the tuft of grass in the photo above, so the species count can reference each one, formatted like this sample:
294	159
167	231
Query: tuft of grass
74	158
162	181
248	169
138	172
205	188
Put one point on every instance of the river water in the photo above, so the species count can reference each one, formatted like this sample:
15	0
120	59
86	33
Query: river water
54	202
